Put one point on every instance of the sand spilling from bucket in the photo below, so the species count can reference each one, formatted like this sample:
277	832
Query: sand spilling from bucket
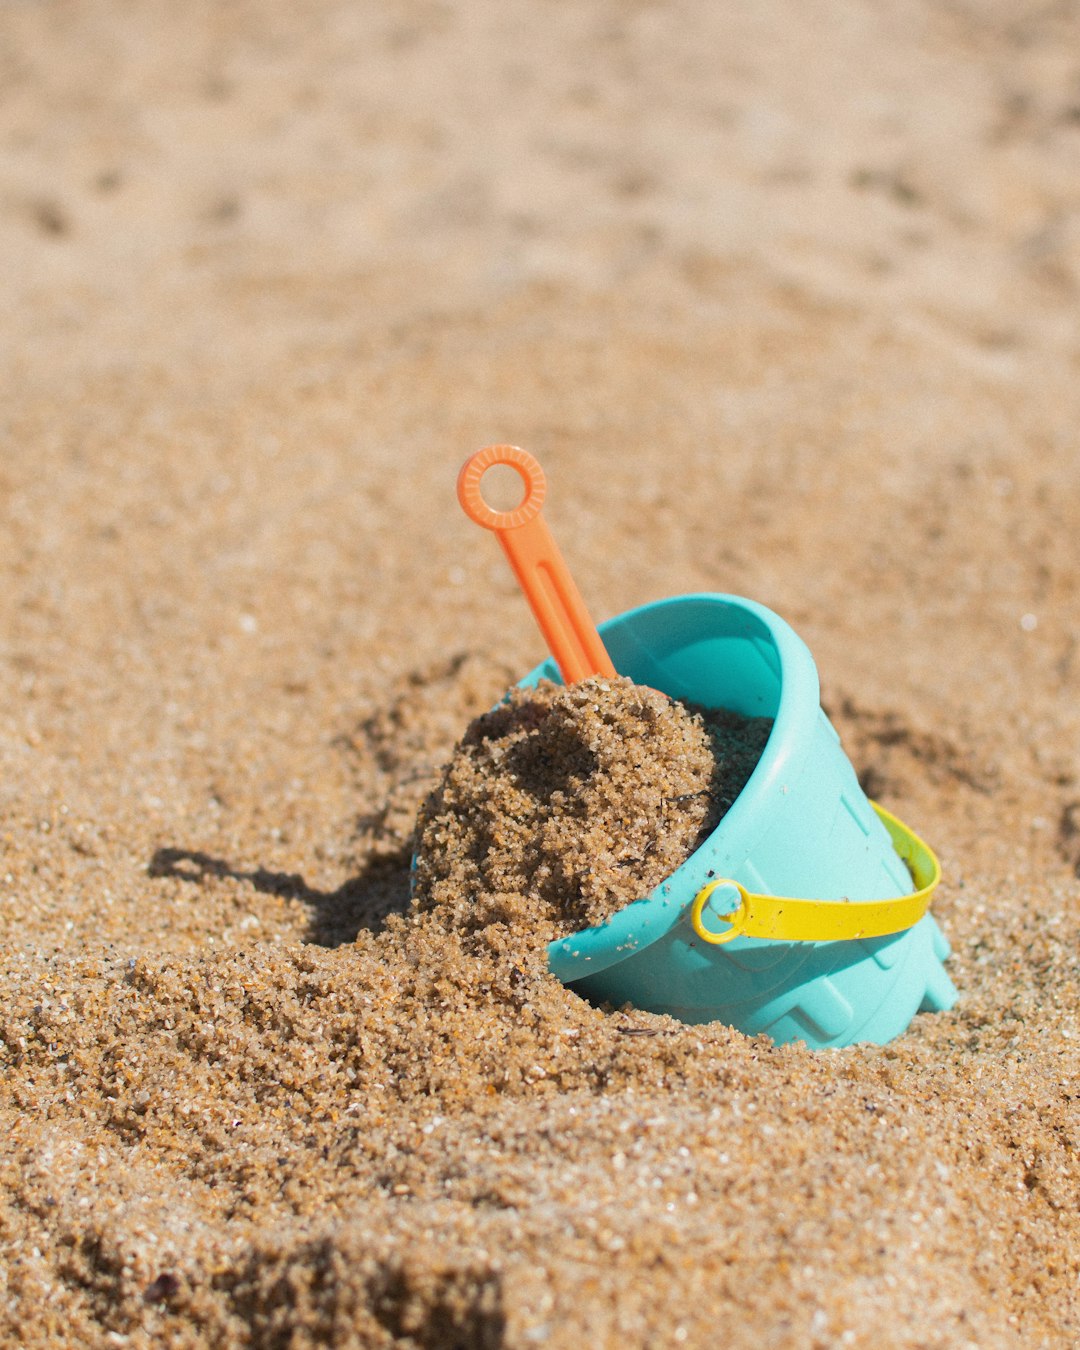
561	806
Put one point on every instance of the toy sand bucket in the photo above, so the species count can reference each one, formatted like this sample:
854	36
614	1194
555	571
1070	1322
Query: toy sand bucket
716	941
804	914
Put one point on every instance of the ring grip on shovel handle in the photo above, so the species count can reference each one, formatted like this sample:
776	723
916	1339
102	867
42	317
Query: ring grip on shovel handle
537	563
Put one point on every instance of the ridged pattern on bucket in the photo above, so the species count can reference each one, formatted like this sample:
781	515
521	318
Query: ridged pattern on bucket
826	994
822	1009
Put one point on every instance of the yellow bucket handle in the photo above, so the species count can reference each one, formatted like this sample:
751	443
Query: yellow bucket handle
784	919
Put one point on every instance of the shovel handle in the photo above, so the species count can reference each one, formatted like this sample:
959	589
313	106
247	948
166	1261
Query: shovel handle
537	563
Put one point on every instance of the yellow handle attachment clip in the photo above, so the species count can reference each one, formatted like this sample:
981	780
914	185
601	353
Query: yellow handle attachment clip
785	919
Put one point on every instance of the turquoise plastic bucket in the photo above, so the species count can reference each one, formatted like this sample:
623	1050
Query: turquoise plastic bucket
801	826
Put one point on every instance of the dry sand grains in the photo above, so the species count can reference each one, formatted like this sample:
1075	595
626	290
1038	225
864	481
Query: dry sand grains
784	297
561	806
421	1139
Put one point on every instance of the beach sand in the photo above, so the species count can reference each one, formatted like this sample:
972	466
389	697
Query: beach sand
784	298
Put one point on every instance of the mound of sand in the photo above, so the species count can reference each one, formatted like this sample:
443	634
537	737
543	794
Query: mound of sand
562	806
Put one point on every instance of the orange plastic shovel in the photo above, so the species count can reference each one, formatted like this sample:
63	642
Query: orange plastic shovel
538	565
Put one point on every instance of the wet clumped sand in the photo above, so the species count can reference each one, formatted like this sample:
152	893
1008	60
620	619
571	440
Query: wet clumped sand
563	805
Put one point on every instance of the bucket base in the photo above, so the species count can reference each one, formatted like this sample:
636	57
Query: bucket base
826	1011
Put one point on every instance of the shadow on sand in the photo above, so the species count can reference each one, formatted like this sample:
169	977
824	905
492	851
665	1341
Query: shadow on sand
364	901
